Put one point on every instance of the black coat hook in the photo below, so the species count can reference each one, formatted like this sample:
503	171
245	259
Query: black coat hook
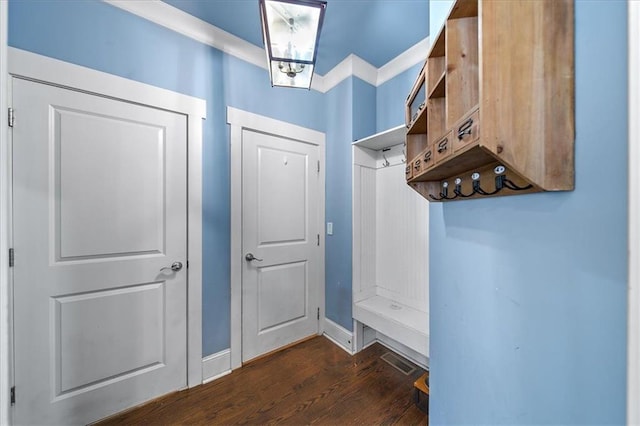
512	186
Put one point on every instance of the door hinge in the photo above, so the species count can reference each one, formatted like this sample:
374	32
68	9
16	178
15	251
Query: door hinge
13	395
11	257
318	315
11	117
318	240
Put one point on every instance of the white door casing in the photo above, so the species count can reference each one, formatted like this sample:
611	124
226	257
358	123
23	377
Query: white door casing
280	288
99	212
240	122
5	167
40	68
633	312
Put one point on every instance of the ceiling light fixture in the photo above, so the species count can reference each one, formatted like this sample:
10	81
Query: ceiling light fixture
291	30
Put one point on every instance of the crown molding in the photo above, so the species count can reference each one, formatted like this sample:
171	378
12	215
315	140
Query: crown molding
188	25
352	65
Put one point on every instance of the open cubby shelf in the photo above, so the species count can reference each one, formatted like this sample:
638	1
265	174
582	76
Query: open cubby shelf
492	110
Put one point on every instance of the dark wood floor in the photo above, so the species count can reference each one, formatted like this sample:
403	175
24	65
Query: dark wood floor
314	382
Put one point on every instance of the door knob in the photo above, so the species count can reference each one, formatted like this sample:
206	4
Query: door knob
175	267
249	257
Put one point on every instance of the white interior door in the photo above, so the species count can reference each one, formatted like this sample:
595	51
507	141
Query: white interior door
99	208
280	288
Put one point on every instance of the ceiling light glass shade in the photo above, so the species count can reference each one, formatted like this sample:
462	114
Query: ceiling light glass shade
291	30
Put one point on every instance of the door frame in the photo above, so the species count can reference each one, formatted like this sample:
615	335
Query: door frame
5	167
34	67
240	120
633	328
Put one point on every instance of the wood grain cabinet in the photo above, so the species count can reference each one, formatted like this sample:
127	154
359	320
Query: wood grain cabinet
494	103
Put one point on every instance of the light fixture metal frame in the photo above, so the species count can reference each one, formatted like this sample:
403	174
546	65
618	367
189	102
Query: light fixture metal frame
320	4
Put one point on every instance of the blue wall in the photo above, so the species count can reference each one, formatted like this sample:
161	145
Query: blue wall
528	293
99	36
339	105
364	109
351	115
391	97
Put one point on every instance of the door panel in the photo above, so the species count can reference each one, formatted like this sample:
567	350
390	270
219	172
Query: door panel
282	295
282	188
280	226
80	318
99	208
113	174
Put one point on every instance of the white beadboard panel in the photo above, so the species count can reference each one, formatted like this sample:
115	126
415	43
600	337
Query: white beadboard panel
402	249
356	209
368	240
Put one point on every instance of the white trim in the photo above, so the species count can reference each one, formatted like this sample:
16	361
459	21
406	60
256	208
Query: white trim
216	365
65	74
352	65
188	25
239	120
5	167
339	335
633	329
340	72
51	71
416	54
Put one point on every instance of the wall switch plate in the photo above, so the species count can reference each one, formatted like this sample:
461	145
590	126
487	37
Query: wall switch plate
329	228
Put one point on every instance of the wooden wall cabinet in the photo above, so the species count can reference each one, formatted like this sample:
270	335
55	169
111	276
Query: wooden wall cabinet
492	110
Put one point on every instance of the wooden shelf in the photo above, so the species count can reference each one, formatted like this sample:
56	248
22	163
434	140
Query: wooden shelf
419	125
474	157
500	96
439	86
464	9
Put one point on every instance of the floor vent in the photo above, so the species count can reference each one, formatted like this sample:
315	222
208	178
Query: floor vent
398	363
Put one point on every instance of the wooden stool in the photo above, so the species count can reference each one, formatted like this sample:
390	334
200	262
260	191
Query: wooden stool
421	393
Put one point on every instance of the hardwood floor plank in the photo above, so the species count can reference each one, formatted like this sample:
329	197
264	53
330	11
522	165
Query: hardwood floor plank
314	382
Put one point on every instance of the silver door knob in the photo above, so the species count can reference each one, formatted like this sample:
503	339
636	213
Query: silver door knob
249	257
175	267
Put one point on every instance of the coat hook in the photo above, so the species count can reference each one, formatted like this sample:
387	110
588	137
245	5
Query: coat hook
385	163
458	189
477	189
512	186
444	194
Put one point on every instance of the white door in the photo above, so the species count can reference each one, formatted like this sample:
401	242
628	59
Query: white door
99	209
280	201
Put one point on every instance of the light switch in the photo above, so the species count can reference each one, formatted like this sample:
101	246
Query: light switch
329	228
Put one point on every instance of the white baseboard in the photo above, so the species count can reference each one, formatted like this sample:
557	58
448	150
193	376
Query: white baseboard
405	351
216	365
339	335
